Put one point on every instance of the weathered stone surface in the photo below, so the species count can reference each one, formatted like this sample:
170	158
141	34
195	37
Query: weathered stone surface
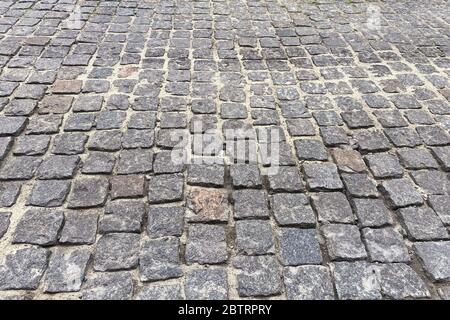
372	212
23	268
385	245
58	167
250	204
299	246
435	258
160	292
322	176
206	284
19	168
4	222
257	276
356	280
254	237
116	251
206	244
160	259
206	175
165	188
348	160
245	176
79	228
108	286
39	226
423	224
49	193
127	186
66	270
343	242
333	207
207	204
401	193
88	192
122	216
292	209
308	283
441	205
286	179
400	281
165	221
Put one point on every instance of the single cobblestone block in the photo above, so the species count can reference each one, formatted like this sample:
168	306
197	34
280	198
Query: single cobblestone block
49	193
206	244
79	122
403	137
343	242
348	160
245	176
99	163
165	188
423	224
435	258
254	237
207	204
67	86
360	185
286	179
9	192
356	280
372	213
122	216
69	143
442	155
384	165
159	259
116	251
385	245
110	119
206	175
11	126
108	286
39	226
334	136
257	276
110	140
55	104
58	167
292	209
417	159
206	284
401	193
22	269
19	168
299	246
333	207
165	221
311	150
250	204
85	103
433	135
160	292
66	270
79	228
372	141
163	163
400	281
135	161
88	192
441	205
432	181
308	283
31	145
322	176
127	186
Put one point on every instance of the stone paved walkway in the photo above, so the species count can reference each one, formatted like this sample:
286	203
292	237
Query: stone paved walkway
92	206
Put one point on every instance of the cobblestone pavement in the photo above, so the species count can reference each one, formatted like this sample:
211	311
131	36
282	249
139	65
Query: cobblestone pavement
92	207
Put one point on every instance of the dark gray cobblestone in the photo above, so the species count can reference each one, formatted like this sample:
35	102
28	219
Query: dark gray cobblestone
94	109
